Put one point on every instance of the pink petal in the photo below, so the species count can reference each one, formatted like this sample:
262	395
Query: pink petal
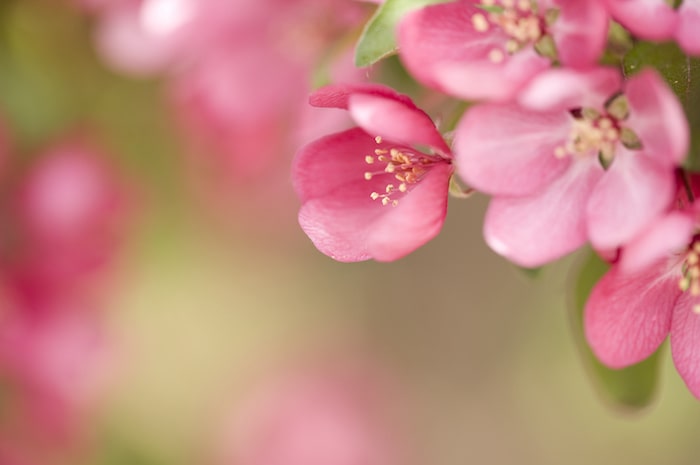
439	46
580	32
481	79
689	24
396	121
666	236
417	219
338	95
534	230
563	89
647	19
338	214
627	316
657	117
506	150
685	334
634	192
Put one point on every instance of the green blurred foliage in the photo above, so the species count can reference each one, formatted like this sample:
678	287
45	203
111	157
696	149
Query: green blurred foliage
631	388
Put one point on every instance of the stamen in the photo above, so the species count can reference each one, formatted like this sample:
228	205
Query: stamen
496	56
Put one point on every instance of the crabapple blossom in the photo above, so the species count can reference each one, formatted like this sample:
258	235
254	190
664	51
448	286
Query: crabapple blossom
581	156
378	190
651	292
329	412
479	49
657	20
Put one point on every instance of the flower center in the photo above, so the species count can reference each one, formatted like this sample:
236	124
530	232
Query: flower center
593	131
407	167
690	272
521	21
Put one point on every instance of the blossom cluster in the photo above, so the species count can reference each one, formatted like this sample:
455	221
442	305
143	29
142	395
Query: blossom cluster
572	150
62	219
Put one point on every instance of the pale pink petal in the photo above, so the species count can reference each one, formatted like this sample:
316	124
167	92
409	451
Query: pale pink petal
506	150
564	89
647	19
531	231
656	116
627	316
665	236
482	79
688	26
580	32
685	349
394	120
634	192
440	47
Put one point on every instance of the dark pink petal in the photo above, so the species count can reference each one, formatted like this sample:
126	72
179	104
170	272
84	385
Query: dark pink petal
506	150
580	32
685	335
563	89
688	26
634	192
657	117
534	230
395	120
326	165
439	46
647	19
337	95
417	219
340	217
668	235
628	316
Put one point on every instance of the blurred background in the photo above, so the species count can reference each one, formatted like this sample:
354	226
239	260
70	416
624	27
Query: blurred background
159	304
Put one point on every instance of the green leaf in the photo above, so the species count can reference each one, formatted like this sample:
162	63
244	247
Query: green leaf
682	73
378	38
631	388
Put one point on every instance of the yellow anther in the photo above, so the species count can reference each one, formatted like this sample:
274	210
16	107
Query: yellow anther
389	188
385	201
560	152
378	139
369	159
512	46
394	203
696	309
390	168
496	56
403	187
380	152
368	175
374	195
480	23
524	5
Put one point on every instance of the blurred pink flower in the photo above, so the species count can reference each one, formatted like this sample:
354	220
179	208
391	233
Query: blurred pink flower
657	20
580	157
489	50
337	412
376	191
67	216
652	291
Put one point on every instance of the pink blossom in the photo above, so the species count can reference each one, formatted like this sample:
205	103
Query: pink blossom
653	290
580	157
370	191
657	20
334	412
489	49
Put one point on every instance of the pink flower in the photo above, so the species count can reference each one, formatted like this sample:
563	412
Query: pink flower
580	157
657	20
370	192
333	412
652	291
489	49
